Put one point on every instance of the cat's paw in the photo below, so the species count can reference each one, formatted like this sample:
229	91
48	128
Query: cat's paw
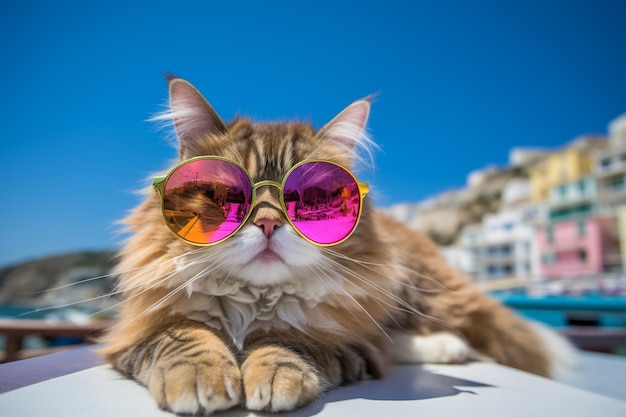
277	379
196	387
433	348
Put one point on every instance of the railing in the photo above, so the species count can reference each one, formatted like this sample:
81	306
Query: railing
15	331
592	323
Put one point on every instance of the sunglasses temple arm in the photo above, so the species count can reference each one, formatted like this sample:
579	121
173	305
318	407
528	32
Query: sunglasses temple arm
158	183
364	188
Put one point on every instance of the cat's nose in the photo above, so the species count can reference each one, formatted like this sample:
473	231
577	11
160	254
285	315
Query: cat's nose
268	226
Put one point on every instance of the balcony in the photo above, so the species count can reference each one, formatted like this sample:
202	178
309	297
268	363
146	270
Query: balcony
610	166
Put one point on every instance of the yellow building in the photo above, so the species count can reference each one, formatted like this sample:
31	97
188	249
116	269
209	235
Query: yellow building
567	165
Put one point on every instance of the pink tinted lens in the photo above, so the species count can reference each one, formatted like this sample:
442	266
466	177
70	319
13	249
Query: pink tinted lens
206	200
322	201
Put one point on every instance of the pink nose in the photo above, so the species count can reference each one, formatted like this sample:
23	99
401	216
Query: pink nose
268	226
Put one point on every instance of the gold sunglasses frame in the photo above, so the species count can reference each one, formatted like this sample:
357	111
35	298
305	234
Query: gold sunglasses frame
159	182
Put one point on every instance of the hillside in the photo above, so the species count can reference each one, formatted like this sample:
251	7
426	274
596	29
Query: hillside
444	216
56	281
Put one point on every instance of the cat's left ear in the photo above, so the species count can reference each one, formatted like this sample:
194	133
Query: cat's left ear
348	127
192	115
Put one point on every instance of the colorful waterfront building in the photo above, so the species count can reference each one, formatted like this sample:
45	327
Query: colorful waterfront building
508	247
503	245
609	168
579	247
580	239
567	165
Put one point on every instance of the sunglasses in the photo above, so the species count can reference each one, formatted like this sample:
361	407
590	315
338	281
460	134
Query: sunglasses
207	199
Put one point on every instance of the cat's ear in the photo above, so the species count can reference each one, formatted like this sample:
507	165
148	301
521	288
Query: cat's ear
348	127
191	113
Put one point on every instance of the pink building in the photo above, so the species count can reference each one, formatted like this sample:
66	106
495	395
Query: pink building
578	247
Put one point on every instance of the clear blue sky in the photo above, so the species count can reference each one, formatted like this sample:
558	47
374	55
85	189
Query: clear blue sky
460	83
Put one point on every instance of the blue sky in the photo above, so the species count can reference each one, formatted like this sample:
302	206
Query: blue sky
459	84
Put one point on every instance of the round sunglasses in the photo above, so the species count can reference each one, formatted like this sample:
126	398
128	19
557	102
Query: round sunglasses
207	199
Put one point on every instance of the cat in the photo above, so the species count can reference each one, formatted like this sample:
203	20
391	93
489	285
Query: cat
269	320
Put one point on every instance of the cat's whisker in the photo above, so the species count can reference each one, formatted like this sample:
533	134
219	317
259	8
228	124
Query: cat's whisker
206	270
364	310
350	272
383	303
326	273
370	265
334	268
151	284
72	284
139	281
146	285
56	307
154	283
83	301
403	305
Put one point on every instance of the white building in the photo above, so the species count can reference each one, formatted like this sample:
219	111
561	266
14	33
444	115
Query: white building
609	168
504	245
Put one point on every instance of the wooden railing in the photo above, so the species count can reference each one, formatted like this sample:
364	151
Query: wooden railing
15	331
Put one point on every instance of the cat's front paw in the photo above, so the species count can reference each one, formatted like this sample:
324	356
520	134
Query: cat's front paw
196	387
277	379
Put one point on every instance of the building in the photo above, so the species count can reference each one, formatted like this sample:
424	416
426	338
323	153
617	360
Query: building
609	168
573	199
464	255
504	245
582	236
582	246
567	165
565	219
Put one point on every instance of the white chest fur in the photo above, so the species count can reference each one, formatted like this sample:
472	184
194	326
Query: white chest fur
239	308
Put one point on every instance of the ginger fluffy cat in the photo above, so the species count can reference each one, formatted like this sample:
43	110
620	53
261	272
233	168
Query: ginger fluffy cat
269	320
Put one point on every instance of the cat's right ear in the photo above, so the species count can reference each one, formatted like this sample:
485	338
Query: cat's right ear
192	115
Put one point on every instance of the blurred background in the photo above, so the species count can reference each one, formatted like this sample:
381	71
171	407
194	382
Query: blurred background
500	124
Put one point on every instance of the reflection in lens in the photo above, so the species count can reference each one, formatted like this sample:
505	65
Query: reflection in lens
322	201
206	200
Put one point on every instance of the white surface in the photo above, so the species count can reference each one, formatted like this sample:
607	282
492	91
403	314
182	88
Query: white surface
477	389
600	373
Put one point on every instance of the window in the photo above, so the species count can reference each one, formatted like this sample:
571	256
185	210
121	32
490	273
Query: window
582	256
579	210
582	185
615	183
550	234
547	258
605	162
493	271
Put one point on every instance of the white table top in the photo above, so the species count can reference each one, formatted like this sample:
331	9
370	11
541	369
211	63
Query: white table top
476	389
